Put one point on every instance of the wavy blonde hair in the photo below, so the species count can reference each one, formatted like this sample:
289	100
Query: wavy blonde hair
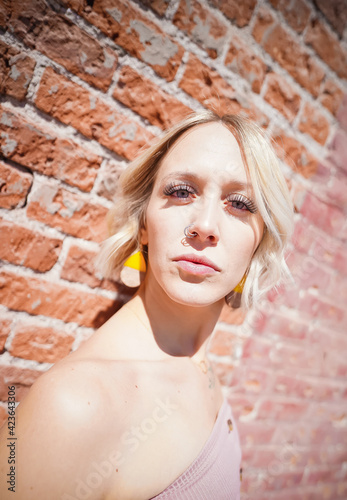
125	220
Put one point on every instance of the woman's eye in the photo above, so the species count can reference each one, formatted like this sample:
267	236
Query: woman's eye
239	205
243	204
179	191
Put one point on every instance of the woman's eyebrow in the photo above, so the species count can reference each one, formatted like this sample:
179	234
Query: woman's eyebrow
235	183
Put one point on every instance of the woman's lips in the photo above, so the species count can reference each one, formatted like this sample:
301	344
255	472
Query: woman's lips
196	265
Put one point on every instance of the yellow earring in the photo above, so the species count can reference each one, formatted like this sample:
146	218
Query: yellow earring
136	261
241	285
233	299
134	269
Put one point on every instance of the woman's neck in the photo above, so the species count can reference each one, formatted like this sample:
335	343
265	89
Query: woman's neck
179	330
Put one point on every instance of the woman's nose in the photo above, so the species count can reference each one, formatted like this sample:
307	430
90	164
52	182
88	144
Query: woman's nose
206	221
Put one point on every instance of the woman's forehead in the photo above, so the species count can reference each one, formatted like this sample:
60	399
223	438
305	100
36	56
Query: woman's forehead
209	148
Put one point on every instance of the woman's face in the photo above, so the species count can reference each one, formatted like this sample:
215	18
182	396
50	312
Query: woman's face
201	181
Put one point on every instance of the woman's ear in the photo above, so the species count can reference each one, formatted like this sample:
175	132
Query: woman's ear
143	236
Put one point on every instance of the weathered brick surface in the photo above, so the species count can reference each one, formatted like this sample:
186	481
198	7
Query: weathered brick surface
73	105
129	28
22	378
295	154
68	212
45	345
37	296
16	71
287	52
336	13
241	59
314	123
202	26
24	247
28	145
159	6
332	96
148	100
85	85
239	12
5	328
281	95
39	27
79	267
327	47
14	184
208	87
296	13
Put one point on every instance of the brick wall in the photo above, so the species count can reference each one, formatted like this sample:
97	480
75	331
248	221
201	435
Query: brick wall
84	84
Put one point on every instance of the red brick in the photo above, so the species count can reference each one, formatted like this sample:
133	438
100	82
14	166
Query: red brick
256	351
223	343
336	13
16	71
295	154
159	6
254	433
108	181
250	380
335	192
331	96
280	324
342	114
287	52
281	95
5	328
308	388
209	88
338	150
232	316
304	236
296	13
79	266
243	405
93	117
14	184
45	345
297	357
34	148
326	217
282	409
314	123
21	378
327	47
240	12
202	26
241	59
148	100
3	412
264	21
326	312
308	273
58	38
321	476
37	296
24	247
69	212
129	28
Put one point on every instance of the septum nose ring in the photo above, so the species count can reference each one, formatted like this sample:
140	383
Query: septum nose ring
188	233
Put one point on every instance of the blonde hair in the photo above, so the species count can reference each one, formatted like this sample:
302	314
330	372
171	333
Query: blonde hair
271	194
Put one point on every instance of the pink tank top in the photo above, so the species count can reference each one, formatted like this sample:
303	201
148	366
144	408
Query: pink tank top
215	473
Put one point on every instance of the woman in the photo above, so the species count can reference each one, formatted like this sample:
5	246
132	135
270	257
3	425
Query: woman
137	412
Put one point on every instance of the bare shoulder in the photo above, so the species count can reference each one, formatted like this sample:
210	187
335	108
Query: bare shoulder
65	424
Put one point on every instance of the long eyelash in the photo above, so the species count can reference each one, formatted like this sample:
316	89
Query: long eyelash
251	206
172	188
